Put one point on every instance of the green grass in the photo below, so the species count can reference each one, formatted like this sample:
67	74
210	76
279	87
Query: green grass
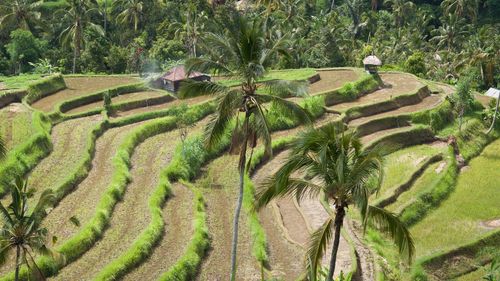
18	124
289	74
400	165
458	219
19	82
475	275
423	184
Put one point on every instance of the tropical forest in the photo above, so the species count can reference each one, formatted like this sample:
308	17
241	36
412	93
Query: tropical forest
250	140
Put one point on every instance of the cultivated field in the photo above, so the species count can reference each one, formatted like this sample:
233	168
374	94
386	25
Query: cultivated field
136	201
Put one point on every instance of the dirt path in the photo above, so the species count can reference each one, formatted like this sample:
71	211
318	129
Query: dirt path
82	201
131	214
286	230
396	84
178	215
127	97
220	198
79	86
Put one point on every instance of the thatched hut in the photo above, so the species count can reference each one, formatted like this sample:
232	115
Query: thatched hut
171	80
371	64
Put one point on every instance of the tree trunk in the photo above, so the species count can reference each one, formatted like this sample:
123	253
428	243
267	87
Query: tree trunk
241	166
332	5
339	220
18	250
494	117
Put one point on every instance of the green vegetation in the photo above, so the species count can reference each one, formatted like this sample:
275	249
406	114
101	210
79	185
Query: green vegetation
318	152
457	222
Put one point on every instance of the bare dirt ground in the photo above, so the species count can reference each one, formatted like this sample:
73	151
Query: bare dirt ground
131	215
427	103
286	254
82	201
191	101
316	215
178	214
396	84
221	199
118	99
371	137
79	86
332	79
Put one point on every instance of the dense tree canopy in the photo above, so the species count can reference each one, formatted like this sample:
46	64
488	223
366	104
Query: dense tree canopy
449	37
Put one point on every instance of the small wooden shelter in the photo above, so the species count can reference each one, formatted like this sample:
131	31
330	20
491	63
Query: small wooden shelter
371	64
171	80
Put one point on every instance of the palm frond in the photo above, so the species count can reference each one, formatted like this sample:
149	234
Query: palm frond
317	245
206	65
191	88
287	108
390	224
286	88
228	106
262	128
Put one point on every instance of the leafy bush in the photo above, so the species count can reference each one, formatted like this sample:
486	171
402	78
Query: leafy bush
117	59
24	48
415	64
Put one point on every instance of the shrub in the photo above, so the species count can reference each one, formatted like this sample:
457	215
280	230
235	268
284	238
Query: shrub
117	59
415	64
24	47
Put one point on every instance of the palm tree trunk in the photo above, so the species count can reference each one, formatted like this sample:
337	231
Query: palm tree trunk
18	255
494	117
242	169
339	220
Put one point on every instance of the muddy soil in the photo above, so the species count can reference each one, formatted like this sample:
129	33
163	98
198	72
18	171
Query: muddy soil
79	86
369	138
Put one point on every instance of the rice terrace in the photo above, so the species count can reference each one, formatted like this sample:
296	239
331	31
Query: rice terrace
249	140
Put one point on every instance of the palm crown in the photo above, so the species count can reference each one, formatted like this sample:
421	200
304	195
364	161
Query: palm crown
21	230
342	173
244	53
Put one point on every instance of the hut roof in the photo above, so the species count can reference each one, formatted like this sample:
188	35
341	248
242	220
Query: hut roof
372	60
178	73
492	92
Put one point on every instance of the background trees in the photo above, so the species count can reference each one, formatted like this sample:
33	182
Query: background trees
324	33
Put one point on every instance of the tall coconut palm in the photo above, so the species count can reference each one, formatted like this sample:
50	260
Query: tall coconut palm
20	13
21	230
242	52
461	8
76	18
129	11
401	10
341	172
451	33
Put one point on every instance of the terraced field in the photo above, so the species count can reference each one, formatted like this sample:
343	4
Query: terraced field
128	209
